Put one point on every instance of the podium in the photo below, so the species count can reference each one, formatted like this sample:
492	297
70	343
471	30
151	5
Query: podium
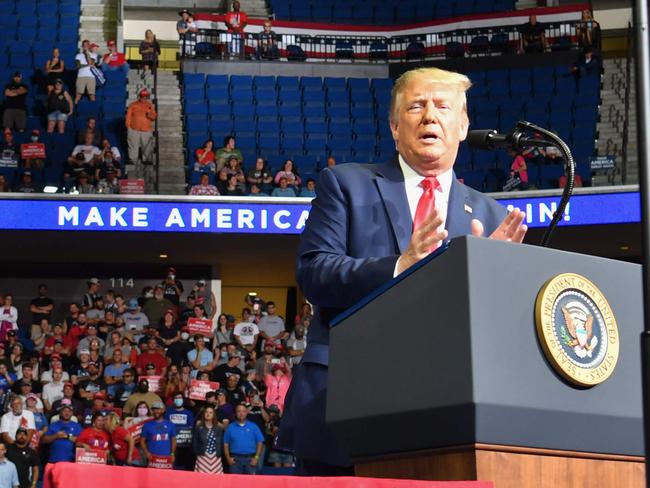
442	376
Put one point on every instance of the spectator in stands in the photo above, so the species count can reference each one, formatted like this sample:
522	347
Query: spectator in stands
26	184
283	190
296	345
173	287
276	458
54	69
267	47
142	394
53	390
158	436
206	442
107	147
15	104
110	183
277	379
8	314
62	435
41	307
331	161
125	388
8	471
186	33
260	175
233	167
589	64
14	419
95	438
272	326
254	190
149	50
33	152
9	153
519	170
134	320
309	190
290	172
90	128
59	107
206	297
84	156
204	158
86	82
588	31
204	187
200	357
114	61
92	294
236	22
228	150
242	443
139	123
532	38
246	335
156	307
232	189
123	446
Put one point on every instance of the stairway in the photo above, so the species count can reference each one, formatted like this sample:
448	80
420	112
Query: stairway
612	112
98	22
255	8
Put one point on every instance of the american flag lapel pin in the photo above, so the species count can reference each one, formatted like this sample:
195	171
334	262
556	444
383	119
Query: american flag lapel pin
468	209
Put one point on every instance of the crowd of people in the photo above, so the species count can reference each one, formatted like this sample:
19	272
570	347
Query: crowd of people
225	165
119	376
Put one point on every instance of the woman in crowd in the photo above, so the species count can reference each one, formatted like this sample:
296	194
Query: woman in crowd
174	385
59	107
305	312
123	447
261	176
169	331
519	169
54	68
204	158
8	314
289	172
149	50
16	357
223	334
142	415
233	168
277	379
114	150
94	346
206	442
588	31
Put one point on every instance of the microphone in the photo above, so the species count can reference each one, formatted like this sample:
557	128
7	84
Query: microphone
491	139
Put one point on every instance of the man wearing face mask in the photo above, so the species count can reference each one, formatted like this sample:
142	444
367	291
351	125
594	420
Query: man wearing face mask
177	351
142	394
33	152
183	420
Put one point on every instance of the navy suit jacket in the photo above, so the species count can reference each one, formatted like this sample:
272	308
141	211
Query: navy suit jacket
359	225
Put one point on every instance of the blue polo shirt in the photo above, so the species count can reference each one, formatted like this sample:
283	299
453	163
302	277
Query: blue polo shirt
8	474
63	449
243	439
158	435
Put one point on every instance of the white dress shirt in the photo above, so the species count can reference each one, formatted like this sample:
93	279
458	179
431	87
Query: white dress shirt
412	180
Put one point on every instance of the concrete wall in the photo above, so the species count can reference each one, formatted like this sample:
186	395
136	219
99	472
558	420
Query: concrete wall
348	70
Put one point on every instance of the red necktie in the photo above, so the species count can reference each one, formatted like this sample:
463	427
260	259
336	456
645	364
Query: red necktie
426	203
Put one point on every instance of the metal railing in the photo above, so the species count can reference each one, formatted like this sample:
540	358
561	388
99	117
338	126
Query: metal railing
220	44
155	125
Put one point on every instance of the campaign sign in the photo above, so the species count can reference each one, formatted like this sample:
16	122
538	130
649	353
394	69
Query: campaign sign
90	456
199	388
199	326
132	187
32	150
154	382
135	429
161	462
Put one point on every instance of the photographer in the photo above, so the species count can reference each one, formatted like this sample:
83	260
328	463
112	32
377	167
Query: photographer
173	288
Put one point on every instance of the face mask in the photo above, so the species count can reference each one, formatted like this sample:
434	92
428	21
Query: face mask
34	139
149	294
185	336
178	402
224	354
142	412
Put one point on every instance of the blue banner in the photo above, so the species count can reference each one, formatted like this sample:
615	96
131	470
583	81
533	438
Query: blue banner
265	218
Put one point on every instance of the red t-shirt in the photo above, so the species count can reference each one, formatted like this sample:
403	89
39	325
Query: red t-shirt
239	18
75	334
157	359
119	446
114	59
96	439
209	158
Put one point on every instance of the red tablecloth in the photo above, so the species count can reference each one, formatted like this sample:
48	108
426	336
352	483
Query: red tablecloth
71	475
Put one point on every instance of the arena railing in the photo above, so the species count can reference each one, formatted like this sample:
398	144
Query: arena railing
474	42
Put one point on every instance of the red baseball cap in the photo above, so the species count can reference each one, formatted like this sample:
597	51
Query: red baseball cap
144	93
65	385
269	342
110	43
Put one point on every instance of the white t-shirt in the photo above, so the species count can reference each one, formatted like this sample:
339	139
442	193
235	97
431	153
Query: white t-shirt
84	69
246	332
53	391
89	151
46	377
11	422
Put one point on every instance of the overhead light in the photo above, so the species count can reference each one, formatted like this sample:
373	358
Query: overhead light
252	293
164	256
50	189
624	247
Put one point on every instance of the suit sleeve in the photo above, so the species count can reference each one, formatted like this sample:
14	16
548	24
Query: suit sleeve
327	275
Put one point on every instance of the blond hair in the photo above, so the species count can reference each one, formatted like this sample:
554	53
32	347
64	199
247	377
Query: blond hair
434	75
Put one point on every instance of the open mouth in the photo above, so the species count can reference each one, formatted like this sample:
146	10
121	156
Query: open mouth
429	137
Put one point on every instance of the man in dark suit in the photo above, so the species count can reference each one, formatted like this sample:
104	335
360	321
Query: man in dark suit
368	224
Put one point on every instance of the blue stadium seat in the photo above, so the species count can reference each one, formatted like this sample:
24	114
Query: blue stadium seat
241	81
292	143
287	110
267	112
288	82
217	92
217	80
220	127
264	82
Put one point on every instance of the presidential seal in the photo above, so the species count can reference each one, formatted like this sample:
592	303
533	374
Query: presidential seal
577	329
